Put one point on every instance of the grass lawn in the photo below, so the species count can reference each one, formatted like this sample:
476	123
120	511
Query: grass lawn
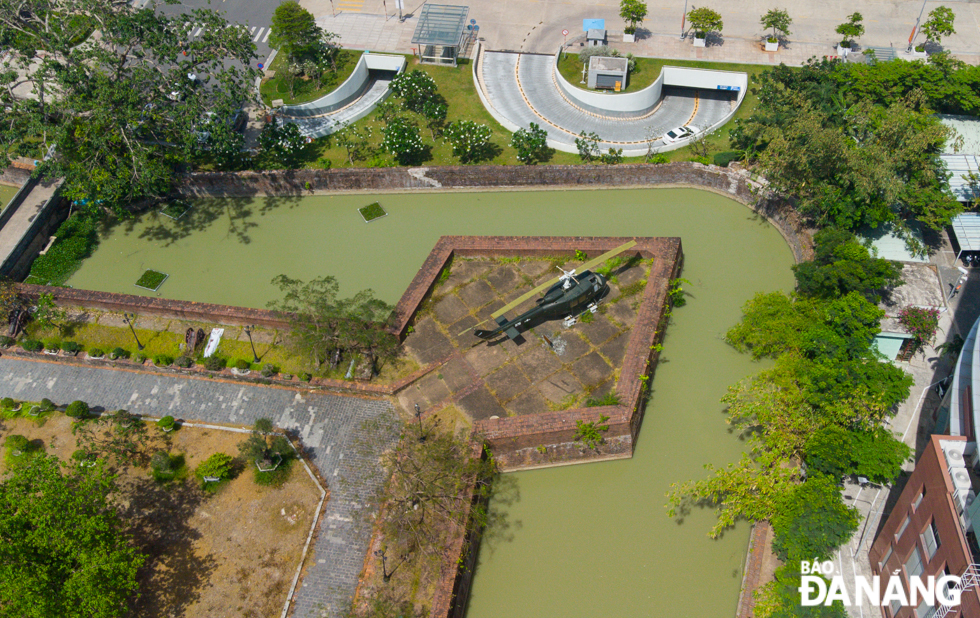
645	73
456	85
305	90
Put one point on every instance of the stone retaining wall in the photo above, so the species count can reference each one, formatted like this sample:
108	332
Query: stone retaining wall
734	183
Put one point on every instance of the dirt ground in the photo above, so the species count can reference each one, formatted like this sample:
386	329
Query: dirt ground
233	553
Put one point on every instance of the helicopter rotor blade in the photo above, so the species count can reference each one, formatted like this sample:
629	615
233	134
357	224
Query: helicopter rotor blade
550	282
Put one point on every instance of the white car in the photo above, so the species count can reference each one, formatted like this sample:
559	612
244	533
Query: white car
675	135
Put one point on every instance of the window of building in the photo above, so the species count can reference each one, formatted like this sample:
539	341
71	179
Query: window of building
883	565
913	566
930	539
918	499
925	611
901	529
895	606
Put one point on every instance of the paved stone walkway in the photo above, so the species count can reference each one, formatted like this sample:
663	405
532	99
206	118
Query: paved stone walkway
341	434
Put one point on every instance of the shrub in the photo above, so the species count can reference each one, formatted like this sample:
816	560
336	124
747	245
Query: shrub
32	345
6	341
214	363
81	455
76	238
118	353
7	403
77	409
306	377
139	359
47	404
658	159
164	467
96	352
218	465
52	346
163	360
18	442
184	361
242	364
71	347
269	370
166	423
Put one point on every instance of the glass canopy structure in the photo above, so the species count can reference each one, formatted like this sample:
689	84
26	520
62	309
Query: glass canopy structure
440	32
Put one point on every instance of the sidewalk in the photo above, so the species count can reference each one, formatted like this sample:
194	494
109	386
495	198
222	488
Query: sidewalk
536	26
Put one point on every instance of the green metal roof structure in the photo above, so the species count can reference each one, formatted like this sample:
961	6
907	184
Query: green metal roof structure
440	32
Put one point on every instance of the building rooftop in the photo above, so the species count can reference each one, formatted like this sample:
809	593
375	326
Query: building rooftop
960	165
967	127
608	63
595	34
441	24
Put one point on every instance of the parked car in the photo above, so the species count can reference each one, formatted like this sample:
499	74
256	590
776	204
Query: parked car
675	135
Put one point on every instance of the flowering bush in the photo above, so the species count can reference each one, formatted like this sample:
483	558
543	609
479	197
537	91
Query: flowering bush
470	141
920	322
403	139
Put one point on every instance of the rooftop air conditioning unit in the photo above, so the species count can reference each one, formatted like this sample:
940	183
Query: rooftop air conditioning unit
961	479
963	502
955	453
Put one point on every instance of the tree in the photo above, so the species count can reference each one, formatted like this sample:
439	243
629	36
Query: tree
780	598
854	165
355	140
470	141
531	144
939	24
704	21
633	12
403	140
812	521
414	87
434	111
120	437
429	494
588	146
779	20
875	454
294	32
63	549
843	265
851	29
324	324
263	444
281	143
121	107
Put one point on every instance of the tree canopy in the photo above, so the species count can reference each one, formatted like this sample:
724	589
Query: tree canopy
63	549
777	19
812	522
633	12
324	323
294	31
847	161
843	265
704	21
122	109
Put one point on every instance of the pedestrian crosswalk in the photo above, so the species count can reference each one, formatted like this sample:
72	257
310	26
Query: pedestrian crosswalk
258	34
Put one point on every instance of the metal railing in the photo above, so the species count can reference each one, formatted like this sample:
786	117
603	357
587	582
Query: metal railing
969	579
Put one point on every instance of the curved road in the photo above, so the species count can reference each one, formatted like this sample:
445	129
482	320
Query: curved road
522	89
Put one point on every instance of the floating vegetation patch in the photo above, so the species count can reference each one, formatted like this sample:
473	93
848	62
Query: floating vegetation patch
151	280
372	212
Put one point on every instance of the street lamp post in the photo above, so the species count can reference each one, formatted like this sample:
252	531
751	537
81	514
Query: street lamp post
384	565
248	331
130	318
915	30
418	415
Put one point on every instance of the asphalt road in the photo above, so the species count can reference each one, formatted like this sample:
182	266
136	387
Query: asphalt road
256	15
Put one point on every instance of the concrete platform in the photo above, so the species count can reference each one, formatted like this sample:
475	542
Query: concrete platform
555	367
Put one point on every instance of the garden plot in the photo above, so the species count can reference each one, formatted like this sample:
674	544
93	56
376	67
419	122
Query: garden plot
231	553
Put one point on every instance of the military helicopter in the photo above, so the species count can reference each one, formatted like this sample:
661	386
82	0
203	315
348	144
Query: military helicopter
567	295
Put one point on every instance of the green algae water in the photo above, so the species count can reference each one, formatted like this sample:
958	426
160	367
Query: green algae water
7	193
586	541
